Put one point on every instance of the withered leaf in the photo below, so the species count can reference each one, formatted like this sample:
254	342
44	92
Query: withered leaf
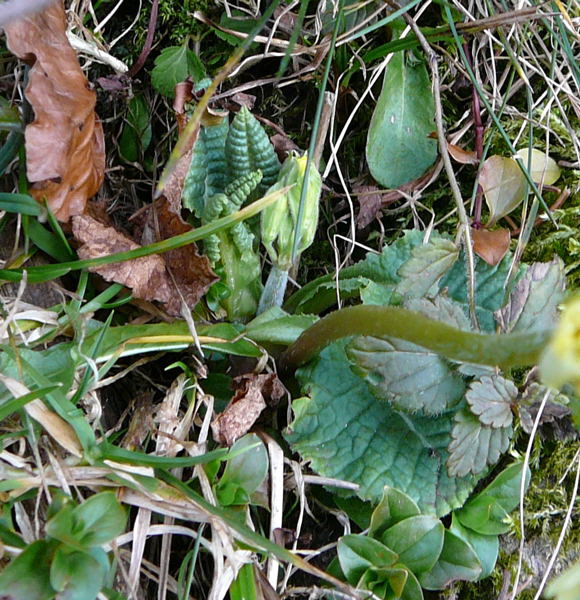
253	393
465	157
65	149
491	246
149	276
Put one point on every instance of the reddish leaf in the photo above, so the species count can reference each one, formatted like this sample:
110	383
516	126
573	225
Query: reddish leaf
253	394
492	246
65	150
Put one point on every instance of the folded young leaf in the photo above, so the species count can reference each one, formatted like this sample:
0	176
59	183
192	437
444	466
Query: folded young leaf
393	507
474	446
490	399
417	540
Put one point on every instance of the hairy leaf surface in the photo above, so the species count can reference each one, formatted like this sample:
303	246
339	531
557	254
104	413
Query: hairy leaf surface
347	434
408	376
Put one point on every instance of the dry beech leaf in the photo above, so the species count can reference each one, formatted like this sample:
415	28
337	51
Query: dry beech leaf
65	149
460	155
148	276
503	184
491	246
543	168
253	393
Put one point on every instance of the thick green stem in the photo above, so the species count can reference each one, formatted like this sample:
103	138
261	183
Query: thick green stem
274	290
505	350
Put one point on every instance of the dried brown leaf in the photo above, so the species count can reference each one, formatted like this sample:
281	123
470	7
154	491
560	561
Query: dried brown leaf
492	246
465	157
371	203
253	393
65	149
148	276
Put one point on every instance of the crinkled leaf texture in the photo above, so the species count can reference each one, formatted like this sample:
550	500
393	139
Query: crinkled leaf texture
347	434
490	400
406	375
474	445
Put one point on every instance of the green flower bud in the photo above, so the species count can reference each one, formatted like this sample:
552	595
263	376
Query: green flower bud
279	221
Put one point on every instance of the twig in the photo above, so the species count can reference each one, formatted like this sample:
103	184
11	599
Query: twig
461	212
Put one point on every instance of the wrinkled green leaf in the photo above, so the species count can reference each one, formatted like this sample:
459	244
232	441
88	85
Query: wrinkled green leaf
490	400
27	577
428	263
457	561
474	446
534	302
408	376
244	472
486	547
356	553
346	433
417	540
393	507
503	184
398	147
487	512
441	308
174	65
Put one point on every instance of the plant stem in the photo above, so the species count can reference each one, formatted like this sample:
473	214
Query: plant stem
487	349
274	290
